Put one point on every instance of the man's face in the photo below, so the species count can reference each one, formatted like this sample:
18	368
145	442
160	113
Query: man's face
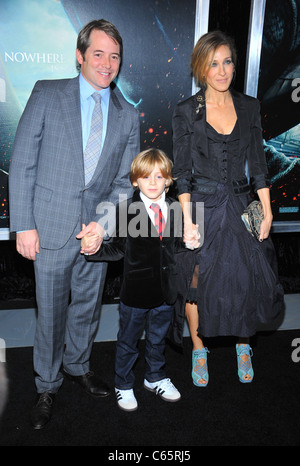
101	62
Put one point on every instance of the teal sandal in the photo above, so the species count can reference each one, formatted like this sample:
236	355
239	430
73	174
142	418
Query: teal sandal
244	367
199	371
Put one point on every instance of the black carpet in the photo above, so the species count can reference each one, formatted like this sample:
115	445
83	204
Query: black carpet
225	413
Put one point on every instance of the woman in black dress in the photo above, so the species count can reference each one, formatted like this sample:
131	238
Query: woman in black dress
230	283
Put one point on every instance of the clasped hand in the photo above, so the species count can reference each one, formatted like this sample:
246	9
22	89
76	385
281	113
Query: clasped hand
91	238
191	236
265	228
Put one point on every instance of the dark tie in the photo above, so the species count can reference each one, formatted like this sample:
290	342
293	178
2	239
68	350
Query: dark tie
93	147
159	220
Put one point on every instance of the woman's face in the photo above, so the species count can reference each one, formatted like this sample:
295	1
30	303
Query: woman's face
220	69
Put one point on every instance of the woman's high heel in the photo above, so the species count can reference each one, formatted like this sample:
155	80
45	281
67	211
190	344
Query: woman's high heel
245	369
199	371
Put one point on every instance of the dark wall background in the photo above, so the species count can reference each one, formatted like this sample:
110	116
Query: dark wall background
232	16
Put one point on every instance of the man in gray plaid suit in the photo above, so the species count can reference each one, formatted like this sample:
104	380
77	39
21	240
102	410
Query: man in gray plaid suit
51	197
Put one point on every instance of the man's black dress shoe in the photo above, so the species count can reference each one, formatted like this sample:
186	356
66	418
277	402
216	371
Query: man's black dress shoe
42	410
90	382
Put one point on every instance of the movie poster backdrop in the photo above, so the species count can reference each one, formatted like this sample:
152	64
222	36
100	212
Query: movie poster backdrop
38	41
279	93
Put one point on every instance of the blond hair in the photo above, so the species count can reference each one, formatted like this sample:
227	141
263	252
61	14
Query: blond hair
145	161
205	48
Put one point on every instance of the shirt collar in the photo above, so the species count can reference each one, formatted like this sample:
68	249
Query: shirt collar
148	201
86	90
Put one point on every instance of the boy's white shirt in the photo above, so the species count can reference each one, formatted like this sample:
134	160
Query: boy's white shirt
162	204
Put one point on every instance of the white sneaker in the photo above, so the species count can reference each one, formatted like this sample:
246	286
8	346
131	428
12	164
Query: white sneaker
164	388
126	399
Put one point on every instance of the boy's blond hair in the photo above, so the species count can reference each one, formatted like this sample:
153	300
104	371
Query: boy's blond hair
145	161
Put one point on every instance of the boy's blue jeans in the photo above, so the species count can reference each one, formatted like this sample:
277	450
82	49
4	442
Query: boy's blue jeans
133	320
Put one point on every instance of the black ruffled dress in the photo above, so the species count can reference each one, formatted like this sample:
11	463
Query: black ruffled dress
232	277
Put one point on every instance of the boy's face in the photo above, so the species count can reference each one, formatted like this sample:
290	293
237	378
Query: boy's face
152	185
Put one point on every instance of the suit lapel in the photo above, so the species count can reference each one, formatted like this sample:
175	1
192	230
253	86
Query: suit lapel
199	115
71	118
112	133
242	116
169	227
199	118
71	114
152	232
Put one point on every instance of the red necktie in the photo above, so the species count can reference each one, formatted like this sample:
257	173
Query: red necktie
159	220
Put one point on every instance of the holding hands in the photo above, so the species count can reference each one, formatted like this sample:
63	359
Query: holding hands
191	236
91	238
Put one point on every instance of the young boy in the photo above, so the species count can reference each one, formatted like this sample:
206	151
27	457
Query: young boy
148	290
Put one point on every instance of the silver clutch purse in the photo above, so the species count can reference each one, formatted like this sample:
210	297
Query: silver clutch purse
252	218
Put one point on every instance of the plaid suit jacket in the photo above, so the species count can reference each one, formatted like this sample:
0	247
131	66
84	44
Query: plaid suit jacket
46	177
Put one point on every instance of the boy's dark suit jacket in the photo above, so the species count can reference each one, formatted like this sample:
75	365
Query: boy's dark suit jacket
149	276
